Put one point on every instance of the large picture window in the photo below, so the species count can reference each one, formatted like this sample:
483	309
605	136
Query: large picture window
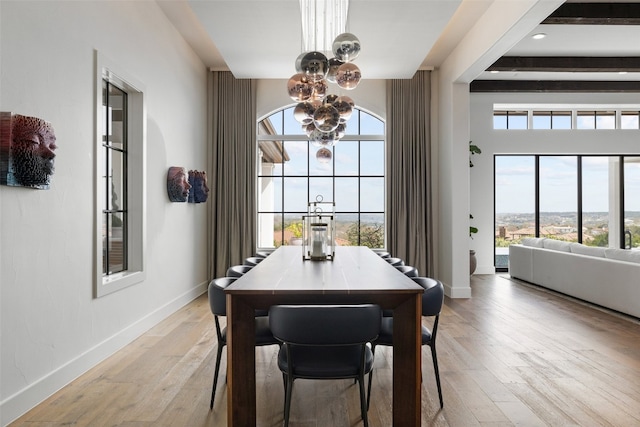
593	200
290	176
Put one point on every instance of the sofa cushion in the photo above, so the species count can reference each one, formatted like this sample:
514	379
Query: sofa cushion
535	242
622	255
578	248
557	245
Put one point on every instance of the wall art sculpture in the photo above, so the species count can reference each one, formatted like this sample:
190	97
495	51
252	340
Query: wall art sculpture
27	146
177	184
199	189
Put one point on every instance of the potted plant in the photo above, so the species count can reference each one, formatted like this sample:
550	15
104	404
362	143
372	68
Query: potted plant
296	230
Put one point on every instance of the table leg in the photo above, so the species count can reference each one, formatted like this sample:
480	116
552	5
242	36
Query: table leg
241	363
407	362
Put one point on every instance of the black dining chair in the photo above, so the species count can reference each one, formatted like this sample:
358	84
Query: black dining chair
253	261
218	305
394	261
432	301
238	270
383	254
408	270
263	254
325	342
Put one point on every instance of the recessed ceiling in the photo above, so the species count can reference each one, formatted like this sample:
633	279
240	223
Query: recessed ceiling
261	39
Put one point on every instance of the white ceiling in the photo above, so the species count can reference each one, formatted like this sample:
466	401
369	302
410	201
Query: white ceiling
262	38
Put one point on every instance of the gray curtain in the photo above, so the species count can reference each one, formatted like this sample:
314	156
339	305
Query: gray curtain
409	192
232	171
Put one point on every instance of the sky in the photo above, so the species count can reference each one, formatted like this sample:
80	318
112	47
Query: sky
515	184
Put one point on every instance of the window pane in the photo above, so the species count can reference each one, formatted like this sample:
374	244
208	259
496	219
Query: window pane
272	125
559	197
370	125
517	120
595	200
270	194
632	202
269	230
347	230
291	125
320	187
115	247
346	195
372	195
561	120
515	194
316	167
298	157
605	120
499	119
372	230
372	158
586	120
117	197
346	157
353	125
629	120
542	119
295	195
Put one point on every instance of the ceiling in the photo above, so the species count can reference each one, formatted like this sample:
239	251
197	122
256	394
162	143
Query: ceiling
262	38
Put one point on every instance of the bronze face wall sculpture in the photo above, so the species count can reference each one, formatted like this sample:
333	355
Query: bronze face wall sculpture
27	146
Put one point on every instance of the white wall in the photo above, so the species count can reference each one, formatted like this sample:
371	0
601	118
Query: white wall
502	25
52	328
493	142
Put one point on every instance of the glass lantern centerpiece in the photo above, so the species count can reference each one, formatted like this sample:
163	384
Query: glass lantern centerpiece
318	231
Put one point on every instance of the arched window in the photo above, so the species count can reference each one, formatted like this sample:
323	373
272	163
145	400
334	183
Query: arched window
289	176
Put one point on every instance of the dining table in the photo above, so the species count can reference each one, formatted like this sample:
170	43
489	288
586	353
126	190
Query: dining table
356	275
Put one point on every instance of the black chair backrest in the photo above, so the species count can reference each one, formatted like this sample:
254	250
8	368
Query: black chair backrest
408	270
217	297
395	261
433	297
325	324
254	260
238	270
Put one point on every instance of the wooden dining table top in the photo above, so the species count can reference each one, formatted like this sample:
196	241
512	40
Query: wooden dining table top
354	270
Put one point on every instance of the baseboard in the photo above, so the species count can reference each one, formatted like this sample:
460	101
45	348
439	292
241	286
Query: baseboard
457	292
21	402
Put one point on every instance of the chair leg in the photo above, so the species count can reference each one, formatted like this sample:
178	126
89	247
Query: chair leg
435	368
215	376
363	402
373	351
287	400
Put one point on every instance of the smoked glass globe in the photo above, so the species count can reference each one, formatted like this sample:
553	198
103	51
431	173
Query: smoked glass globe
324	155
334	64
346	47
303	113
344	109
326	118
299	87
314	64
348	76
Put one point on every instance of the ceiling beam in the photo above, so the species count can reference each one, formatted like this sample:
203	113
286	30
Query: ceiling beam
596	14
553	86
593	64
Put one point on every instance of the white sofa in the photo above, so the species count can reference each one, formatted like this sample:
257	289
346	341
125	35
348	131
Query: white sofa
607	277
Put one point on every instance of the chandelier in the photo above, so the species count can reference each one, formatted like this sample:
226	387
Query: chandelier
323	114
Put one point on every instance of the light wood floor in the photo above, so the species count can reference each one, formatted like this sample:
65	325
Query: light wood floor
513	354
